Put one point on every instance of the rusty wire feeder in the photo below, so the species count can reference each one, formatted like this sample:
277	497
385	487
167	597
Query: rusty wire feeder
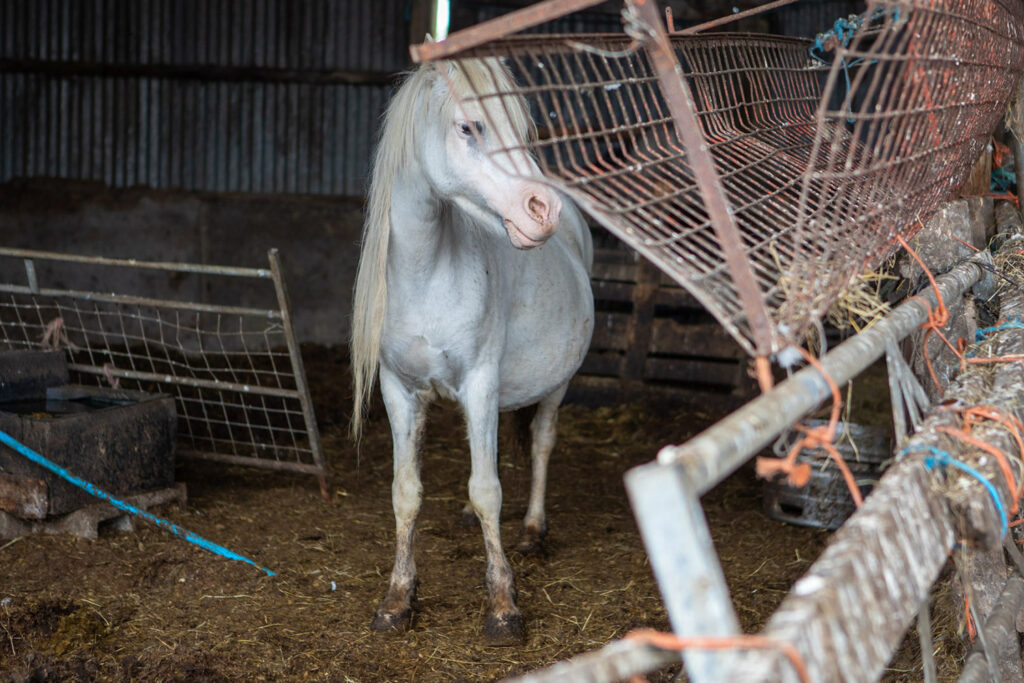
762	173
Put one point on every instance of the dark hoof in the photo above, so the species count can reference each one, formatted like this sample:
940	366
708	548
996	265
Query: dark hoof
508	629
468	519
532	542
391	621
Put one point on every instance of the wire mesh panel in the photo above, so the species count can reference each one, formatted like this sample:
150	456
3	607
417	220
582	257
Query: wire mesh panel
819	155
235	371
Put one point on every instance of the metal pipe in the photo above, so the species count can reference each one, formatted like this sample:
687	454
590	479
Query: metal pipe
1017	139
142	301
168	378
1000	626
718	451
248	461
299	371
132	263
616	661
498	28
729	18
680	104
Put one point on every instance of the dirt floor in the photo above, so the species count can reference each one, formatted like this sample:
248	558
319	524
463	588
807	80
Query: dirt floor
146	606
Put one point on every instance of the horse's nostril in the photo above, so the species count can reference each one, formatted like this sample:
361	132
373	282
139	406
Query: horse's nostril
538	208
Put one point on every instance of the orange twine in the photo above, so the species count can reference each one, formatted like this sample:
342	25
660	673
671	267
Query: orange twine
1004	463
1008	196
938	317
670	641
813	437
975	414
972	631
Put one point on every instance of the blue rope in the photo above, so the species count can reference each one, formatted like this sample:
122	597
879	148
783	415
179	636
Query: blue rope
842	30
1003	180
126	507
982	334
942	458
1011	324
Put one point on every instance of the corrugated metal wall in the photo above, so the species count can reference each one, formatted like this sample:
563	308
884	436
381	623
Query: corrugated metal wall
233	96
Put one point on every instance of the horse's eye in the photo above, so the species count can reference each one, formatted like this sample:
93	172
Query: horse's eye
466	128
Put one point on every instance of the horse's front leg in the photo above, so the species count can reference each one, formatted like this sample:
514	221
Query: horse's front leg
504	623
406	414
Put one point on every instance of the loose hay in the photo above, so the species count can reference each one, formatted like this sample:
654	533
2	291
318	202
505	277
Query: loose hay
146	607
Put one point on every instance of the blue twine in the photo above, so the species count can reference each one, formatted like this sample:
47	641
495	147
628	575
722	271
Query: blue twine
982	334
1003	180
944	459
126	507
842	30
1011	324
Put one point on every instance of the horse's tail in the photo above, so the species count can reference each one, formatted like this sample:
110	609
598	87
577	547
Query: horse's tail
369	304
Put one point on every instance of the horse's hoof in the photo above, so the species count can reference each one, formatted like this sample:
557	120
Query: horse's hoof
507	629
391	621
530	547
532	542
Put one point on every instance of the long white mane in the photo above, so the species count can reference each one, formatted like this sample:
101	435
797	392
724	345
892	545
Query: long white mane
396	149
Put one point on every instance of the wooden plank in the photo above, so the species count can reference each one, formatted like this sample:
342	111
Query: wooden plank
592	390
639	331
609	332
706	339
616	272
609	290
602	364
692	370
623	255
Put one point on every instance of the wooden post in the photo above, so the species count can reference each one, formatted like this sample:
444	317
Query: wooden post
641	325
421	20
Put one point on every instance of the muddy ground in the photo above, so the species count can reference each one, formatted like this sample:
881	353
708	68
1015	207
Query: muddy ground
146	606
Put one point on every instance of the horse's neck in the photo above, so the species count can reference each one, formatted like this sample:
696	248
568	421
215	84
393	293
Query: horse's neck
413	212
421	239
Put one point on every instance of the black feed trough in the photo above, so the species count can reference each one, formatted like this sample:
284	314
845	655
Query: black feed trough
120	441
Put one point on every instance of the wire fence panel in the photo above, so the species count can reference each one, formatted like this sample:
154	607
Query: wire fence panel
776	169
235	370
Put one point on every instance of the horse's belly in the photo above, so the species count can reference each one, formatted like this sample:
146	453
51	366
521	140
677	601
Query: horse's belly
544	352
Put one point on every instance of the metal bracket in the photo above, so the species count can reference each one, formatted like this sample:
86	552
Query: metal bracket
907	395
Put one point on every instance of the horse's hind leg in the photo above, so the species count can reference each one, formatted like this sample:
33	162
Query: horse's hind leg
406	413
504	623
543	430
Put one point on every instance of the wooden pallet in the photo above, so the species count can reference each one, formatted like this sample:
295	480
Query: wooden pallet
85	522
652	339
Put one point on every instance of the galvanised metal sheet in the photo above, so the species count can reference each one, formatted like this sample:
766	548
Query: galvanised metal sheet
282	34
264	96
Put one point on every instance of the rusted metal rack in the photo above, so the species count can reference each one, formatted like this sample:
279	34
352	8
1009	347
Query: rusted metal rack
235	371
761	173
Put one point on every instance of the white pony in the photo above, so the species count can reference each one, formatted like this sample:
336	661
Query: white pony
445	306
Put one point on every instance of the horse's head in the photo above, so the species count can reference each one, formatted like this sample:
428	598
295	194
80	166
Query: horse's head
481	160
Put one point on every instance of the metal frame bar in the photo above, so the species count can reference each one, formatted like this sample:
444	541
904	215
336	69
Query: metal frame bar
720	212
685	563
133	263
299	370
136	300
499	27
